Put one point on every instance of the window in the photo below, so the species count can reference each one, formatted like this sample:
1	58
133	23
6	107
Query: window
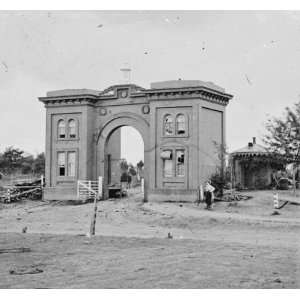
173	166
72	129
61	129
66	161
61	158
168	125
180	124
174	127
166	155
179	163
71	163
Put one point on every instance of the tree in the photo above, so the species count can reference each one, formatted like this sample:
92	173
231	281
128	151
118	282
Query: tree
132	170
283	134
11	160
27	164
140	165
39	164
124	165
222	176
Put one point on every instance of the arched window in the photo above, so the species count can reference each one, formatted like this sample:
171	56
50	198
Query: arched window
61	129
168	125
180	124
72	128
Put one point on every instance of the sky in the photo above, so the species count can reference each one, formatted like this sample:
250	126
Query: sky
254	55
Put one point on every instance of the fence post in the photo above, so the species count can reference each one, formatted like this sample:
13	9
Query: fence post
142	185
94	217
8	195
42	186
90	186
100	186
78	189
276	200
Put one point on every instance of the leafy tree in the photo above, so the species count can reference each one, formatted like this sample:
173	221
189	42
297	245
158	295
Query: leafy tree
140	165
26	164
39	164
283	134
221	177
11	160
124	165
132	170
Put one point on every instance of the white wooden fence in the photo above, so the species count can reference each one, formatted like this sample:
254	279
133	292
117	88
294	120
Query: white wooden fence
87	189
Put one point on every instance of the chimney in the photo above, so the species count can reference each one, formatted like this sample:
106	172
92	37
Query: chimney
250	145
254	140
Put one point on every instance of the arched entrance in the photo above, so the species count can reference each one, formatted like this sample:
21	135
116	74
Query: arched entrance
115	122
179	121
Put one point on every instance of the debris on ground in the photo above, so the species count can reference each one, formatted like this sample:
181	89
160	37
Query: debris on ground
275	213
15	250
22	190
170	236
140	269
233	196
25	270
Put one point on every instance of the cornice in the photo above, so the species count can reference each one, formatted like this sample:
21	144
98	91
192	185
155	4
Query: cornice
203	93
189	93
69	100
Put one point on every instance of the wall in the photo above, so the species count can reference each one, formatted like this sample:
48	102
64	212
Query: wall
114	150
211	137
206	125
84	116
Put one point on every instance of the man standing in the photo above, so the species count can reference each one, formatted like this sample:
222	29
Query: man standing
209	195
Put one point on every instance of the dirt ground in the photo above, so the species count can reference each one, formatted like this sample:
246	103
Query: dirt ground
240	246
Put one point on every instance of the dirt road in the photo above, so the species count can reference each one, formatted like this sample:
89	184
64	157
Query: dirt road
209	249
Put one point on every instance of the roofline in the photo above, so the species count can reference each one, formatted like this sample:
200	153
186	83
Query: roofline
190	88
67	97
202	90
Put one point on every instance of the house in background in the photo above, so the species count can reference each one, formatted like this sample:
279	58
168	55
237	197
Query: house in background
253	166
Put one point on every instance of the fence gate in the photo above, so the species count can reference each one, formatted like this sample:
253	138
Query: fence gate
87	189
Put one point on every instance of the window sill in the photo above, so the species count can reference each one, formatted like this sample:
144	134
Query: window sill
174	179
176	136
67	139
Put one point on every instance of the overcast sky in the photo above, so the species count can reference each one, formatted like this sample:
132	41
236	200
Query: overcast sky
254	55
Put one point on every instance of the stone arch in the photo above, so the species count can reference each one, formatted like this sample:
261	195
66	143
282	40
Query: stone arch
115	122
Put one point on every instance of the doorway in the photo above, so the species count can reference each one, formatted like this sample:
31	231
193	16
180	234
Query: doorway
124	163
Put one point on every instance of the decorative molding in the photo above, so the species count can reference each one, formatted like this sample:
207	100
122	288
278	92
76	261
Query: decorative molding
134	91
189	93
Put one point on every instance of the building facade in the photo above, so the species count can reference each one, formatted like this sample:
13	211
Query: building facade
181	122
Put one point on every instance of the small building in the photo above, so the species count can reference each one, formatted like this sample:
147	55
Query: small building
253	166
180	122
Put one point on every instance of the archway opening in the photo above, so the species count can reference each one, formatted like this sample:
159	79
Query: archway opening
124	163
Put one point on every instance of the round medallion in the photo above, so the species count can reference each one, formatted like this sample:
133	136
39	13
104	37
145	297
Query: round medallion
103	111
146	109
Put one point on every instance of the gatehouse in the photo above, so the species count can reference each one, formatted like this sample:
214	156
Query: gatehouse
182	122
